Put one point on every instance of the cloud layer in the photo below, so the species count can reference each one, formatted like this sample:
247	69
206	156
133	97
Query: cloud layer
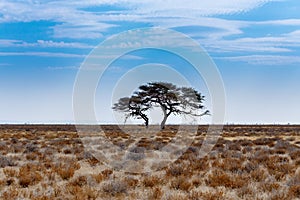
77	20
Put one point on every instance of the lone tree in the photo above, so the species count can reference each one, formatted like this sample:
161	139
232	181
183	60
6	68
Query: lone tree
170	98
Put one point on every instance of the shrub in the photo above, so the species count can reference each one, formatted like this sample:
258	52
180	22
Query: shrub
4	162
131	182
218	195
67	151
175	170
155	193
10	172
295	154
220	178
114	188
258	174
79	181
264	141
181	183
151	181
29	175
31	148
295	190
31	156
67	170
234	147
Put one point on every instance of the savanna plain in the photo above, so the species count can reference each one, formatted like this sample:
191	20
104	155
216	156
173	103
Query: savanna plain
44	162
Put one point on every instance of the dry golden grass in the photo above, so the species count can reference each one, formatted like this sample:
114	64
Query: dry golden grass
248	162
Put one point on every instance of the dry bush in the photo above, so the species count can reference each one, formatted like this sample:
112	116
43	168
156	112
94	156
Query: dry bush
79	193
176	196
234	146
151	181
258	174
294	191
79	181
196	182
247	149
178	169
229	164
3	146
294	183
29	175
31	156
295	154
66	170
10	172
114	188
5	161
264	141
245	192
67	151
278	195
250	166
17	148
98	177
279	167
199	165
218	195
85	155
261	156
269	186
105	174
2	182
181	183
245	143
282	145
156	193
220	178
31	147
11	193
131	182
281	150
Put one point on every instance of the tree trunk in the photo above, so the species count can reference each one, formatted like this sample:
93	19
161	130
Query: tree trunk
145	118
146	123
163	122
162	125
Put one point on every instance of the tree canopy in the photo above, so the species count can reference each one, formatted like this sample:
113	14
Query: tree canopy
170	98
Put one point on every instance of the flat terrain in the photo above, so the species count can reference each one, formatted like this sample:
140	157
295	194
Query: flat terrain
57	162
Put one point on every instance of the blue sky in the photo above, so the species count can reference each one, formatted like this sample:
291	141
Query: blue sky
254	43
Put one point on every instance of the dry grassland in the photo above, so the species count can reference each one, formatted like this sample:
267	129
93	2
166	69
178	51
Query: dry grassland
44	162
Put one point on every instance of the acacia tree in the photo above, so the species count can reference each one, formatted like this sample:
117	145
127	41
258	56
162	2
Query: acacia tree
133	107
170	98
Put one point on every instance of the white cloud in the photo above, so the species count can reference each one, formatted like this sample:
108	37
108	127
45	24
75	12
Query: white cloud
53	68
179	7
271	44
42	43
50	43
77	23
285	22
264	59
197	7
73	23
80	31
42	54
